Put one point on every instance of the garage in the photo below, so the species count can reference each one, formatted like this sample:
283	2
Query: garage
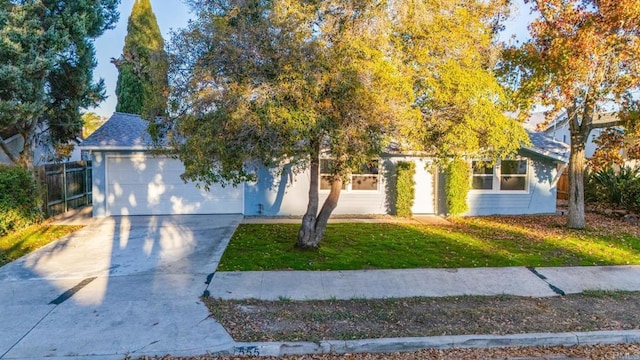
141	184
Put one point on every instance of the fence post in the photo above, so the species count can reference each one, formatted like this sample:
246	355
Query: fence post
86	183
44	188
64	185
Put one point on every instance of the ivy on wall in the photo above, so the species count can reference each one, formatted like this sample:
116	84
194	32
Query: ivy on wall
458	186
406	171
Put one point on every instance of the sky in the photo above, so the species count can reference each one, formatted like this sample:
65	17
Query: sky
174	14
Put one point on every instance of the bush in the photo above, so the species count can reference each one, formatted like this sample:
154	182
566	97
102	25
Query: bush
631	195
405	171
458	186
615	188
19	199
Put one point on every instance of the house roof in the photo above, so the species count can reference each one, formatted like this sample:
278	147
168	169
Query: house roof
121	132
562	120
129	132
547	146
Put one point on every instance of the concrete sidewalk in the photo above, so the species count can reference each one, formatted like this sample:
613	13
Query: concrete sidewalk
521	281
325	285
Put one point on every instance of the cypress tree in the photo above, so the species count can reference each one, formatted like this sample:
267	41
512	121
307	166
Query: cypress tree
142	80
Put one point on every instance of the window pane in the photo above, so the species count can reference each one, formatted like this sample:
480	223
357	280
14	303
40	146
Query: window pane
482	183
325	183
325	165
364	182
513	183
482	167
513	167
370	168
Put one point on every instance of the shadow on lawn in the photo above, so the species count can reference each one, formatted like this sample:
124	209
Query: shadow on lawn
468	243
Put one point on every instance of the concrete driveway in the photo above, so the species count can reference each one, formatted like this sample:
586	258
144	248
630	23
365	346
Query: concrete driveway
120	286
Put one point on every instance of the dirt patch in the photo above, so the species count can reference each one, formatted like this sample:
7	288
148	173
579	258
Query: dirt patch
255	320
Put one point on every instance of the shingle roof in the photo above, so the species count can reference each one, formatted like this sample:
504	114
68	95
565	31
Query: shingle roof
129	132
548	146
121	132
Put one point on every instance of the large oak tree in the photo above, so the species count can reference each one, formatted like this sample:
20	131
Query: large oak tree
582	59
275	81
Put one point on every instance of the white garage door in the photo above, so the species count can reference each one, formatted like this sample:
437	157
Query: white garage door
144	185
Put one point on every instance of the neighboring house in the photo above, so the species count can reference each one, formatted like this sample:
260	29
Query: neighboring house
42	152
559	129
129	180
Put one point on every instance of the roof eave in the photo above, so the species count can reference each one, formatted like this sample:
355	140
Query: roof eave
113	148
547	154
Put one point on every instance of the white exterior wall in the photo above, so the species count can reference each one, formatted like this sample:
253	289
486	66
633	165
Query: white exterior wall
540	197
287	193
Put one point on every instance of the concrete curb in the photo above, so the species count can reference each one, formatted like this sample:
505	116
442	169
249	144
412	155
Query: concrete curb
276	349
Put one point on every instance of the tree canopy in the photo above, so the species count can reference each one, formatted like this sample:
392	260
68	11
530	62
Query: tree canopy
46	68
274	81
582	60
142	86
91	122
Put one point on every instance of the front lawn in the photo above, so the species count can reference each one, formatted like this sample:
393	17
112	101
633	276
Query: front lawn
467	242
22	242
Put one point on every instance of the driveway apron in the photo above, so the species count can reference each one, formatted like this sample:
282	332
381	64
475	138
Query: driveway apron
120	286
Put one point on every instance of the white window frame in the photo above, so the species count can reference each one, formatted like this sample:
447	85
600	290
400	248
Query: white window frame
497	176
348	186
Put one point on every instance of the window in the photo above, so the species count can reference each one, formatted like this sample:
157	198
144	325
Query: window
482	175
506	175
367	178
513	175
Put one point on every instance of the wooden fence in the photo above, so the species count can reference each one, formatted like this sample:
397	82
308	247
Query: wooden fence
563	185
67	186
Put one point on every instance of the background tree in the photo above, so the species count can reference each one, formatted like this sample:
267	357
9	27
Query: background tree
142	86
286	81
46	68
582	59
91	122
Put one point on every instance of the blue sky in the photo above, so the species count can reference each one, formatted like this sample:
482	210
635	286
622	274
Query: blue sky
173	14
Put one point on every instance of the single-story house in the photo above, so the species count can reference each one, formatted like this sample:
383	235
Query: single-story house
128	179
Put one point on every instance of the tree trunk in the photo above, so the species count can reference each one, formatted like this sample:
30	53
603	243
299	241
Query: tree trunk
5	149
576	183
314	224
307	229
25	159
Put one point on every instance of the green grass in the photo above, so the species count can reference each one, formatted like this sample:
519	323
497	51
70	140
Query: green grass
22	242
469	242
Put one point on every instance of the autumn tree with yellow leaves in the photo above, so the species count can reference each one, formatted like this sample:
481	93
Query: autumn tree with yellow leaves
583	60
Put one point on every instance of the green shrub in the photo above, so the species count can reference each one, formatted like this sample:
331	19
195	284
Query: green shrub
612	187
458	186
406	187
631	195
19	199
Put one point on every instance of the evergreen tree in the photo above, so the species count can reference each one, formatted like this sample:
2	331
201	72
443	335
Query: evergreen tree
46	69
142	80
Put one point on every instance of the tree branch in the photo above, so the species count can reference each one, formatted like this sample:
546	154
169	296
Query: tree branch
7	152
